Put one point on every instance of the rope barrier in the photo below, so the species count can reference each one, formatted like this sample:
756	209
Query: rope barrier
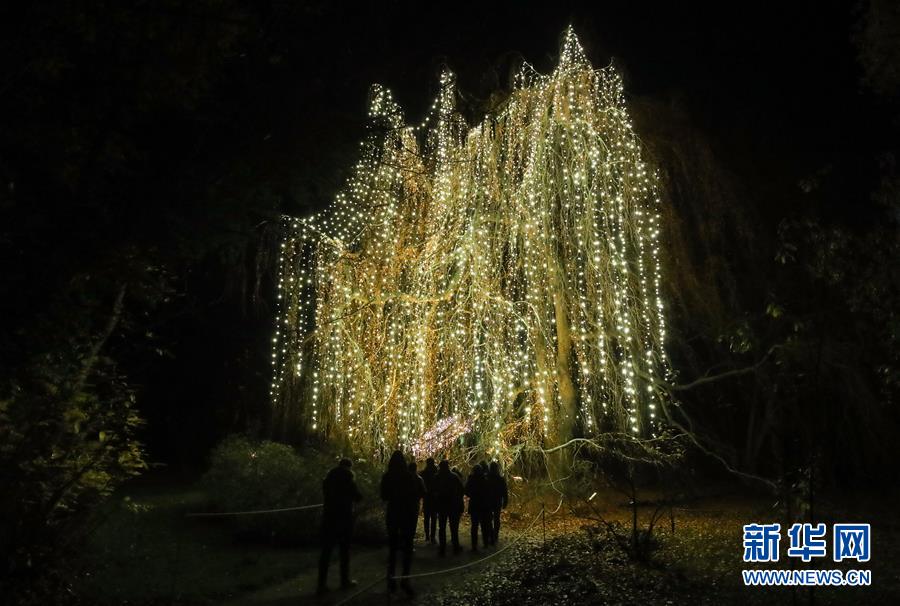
473	562
361	591
384	578
448	570
252	512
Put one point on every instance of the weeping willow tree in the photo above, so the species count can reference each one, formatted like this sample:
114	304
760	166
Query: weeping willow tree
495	286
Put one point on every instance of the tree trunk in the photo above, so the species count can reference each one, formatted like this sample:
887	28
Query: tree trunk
565	422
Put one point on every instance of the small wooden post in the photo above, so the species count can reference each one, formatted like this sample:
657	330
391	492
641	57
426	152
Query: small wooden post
544	536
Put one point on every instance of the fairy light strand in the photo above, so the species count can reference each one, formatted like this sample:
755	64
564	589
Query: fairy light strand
503	280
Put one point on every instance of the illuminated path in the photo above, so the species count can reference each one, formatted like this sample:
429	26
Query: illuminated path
368	566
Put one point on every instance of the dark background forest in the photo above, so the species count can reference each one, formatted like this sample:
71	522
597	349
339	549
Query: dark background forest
148	149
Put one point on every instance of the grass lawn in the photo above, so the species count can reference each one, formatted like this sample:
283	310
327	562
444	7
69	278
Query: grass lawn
144	550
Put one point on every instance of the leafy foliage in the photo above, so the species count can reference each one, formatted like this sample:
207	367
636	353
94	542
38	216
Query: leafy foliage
839	357
570	569
67	439
247	475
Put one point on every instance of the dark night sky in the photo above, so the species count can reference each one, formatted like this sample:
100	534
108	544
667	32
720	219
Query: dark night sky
776	88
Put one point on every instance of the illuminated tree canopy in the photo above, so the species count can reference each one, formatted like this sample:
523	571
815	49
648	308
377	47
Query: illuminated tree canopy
494	286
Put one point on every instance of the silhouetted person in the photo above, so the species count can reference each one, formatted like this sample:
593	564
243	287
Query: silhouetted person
422	490
498	497
448	500
401	492
479	510
340	493
431	515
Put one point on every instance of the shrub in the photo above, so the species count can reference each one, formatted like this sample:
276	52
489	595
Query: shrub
67	440
246	475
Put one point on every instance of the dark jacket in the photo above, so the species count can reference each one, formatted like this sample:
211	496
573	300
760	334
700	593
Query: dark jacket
448	493
497	492
401	491
421	490
477	491
340	493
428	475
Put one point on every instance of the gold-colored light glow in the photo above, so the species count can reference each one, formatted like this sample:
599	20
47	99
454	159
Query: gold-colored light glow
505	276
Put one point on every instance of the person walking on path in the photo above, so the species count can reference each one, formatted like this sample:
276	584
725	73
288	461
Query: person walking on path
498	497
339	493
476	490
448	501
401	491
422	491
430	517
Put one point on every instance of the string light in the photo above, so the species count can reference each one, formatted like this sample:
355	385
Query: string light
499	284
440	436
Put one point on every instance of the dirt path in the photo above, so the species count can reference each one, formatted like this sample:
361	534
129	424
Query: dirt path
368	568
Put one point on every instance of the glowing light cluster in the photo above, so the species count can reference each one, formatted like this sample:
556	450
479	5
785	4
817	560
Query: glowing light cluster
441	436
505	276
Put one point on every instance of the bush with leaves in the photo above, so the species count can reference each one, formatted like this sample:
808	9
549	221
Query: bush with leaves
67	439
248	475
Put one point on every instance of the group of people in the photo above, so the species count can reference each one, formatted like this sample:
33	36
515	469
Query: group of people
439	492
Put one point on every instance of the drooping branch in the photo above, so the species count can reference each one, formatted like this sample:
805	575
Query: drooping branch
506	276
727	374
706	379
